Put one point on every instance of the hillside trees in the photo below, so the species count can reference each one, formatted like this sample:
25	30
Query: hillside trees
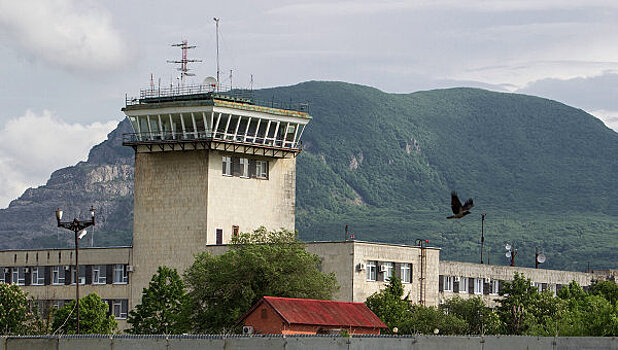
163	307
262	263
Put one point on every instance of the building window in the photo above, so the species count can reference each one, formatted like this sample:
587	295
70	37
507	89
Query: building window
38	276
82	275
119	308
261	169
244	167
226	163
388	269
371	270
406	273
219	237
463	284
19	276
98	274
2	272
447	285
58	275
264	313
494	286
538	286
235	230
478	286
59	304
120	274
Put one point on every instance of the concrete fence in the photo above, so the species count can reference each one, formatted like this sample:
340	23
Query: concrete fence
208	342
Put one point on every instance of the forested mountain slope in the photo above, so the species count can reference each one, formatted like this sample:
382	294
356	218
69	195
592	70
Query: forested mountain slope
386	163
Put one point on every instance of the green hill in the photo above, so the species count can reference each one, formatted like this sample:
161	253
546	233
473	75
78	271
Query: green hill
386	163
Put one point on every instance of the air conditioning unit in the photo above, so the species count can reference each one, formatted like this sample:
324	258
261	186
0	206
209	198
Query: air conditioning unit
361	267
382	268
129	268
487	280
456	279
26	269
7	270
247	330
67	267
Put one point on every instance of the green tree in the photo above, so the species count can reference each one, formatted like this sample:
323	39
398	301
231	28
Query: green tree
16	315
606	289
93	317
519	297
480	318
388	304
262	263
163	307
427	319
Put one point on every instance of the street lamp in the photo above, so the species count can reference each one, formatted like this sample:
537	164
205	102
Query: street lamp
511	252
76	226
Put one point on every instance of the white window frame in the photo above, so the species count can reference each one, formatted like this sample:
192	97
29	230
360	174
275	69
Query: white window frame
82	279
406	273
494	287
478	286
37	276
261	169
244	167
101	272
464	284
2	280
121	314
120	274
371	271
57	276
14	275
389	271
226	166
448	283
538	286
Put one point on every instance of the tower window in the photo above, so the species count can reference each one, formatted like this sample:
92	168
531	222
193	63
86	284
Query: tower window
244	167
219	238
235	230
226	165
261	169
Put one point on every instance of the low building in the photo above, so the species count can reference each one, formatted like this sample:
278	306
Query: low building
272	315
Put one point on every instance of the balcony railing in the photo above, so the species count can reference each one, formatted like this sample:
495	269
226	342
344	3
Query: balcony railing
174	137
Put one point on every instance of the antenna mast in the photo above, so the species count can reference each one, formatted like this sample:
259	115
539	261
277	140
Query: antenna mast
217	32
184	69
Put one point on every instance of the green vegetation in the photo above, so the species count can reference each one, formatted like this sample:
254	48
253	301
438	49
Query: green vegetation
16	315
93	317
163	307
224	287
522	310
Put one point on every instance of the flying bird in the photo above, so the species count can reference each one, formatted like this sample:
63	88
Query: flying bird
459	210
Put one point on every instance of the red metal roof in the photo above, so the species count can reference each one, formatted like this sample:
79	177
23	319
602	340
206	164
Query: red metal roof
322	312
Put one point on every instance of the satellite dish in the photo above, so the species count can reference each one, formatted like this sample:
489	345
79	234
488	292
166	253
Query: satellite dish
508	254
508	247
211	82
541	258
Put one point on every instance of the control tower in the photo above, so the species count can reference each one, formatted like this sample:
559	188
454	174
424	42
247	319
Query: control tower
208	165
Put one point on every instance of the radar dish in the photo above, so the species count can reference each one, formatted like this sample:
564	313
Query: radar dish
508	254
541	258
210	82
508	247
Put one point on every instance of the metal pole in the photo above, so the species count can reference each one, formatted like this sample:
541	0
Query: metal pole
482	234
536	258
217	32
77	273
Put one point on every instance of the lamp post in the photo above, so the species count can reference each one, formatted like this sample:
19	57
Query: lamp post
76	226
482	234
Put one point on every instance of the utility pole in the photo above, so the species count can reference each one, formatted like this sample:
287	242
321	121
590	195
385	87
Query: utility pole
482	234
217	32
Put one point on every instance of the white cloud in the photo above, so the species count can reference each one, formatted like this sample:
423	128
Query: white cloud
610	118
34	145
75	35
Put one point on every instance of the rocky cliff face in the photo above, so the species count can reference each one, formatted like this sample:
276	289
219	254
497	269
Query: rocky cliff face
105	181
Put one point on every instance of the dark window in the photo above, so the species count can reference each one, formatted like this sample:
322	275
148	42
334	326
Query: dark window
219	236
264	313
235	230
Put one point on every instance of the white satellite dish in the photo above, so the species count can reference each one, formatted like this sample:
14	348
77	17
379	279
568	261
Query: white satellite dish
508	247
508	254
210	82
541	258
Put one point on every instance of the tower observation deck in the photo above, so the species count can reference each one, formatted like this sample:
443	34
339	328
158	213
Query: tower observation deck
196	117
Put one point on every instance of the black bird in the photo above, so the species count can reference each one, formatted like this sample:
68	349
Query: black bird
459	210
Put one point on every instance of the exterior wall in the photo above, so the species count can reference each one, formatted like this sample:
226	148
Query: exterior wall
271	324
169	225
551	279
64	257
250	203
338	258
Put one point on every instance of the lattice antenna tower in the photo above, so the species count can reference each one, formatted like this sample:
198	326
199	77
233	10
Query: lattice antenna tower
184	61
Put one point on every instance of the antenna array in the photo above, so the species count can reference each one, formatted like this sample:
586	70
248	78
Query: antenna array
184	61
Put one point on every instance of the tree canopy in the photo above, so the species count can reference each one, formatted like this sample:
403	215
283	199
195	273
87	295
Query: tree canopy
163	307
16	315
262	263
93	317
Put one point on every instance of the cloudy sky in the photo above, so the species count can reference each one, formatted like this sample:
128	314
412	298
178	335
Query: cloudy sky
67	64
